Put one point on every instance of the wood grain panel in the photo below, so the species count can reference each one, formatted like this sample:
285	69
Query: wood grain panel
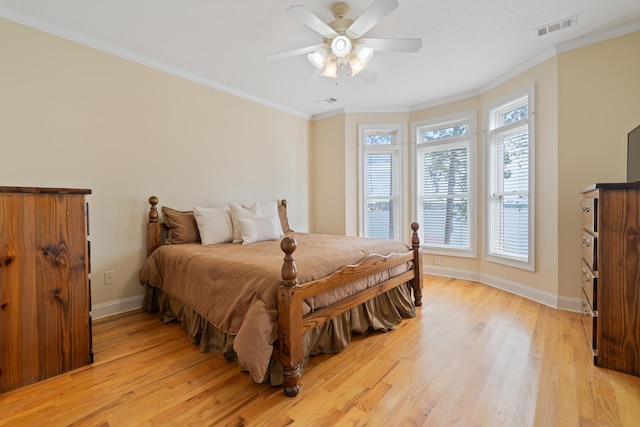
63	327
619	291
44	290
18	309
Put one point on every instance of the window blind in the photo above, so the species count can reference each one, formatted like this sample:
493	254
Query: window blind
509	198
380	194
443	194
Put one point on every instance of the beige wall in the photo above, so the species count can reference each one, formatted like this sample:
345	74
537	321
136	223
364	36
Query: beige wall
336	169
587	100
329	169
468	104
545	276
352	181
72	116
598	104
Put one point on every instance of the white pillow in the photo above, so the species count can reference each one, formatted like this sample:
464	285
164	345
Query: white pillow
238	212
267	210
258	229
214	225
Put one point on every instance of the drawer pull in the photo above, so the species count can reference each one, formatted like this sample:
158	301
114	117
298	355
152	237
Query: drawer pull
585	310
586	242
586	209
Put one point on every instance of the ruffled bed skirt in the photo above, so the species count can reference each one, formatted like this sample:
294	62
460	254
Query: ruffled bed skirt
382	313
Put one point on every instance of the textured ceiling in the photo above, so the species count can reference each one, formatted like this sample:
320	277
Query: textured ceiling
467	44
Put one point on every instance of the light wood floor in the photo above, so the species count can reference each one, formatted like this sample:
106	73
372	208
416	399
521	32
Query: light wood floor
474	356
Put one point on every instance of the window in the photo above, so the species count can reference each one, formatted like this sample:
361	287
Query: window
510	180
380	205
445	156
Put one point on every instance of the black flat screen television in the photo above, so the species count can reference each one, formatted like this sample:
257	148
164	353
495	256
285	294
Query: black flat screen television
633	155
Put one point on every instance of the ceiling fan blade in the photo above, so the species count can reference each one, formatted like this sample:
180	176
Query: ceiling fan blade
393	45
374	14
312	21
294	52
368	75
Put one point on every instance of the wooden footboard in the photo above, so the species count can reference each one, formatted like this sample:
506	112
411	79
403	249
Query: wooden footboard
292	324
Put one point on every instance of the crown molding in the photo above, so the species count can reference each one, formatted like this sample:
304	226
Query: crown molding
576	43
65	33
94	43
598	37
328	114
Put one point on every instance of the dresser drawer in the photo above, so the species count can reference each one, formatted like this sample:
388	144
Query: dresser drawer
589	323
589	284
589	248
589	215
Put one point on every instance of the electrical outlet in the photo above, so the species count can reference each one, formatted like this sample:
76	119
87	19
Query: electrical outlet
109	277
436	260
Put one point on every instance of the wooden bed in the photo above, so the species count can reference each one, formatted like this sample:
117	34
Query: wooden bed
293	293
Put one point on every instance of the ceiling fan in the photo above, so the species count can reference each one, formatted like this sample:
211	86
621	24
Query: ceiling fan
342	43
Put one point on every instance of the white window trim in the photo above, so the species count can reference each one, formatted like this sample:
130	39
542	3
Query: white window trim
471	117
530	264
402	231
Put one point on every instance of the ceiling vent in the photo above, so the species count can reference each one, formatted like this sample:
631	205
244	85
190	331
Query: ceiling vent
328	101
559	25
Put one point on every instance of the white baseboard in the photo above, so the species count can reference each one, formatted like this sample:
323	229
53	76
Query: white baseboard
570	304
116	307
546	298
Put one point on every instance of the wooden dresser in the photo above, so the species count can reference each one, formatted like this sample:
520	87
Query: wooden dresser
45	325
610	268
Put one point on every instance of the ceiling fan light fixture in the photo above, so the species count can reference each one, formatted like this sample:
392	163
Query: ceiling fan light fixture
341	46
317	58
364	53
331	70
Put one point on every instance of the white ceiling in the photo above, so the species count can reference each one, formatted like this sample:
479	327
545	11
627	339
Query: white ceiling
467	44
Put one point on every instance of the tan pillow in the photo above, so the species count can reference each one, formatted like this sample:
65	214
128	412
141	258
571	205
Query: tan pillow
284	220
182	226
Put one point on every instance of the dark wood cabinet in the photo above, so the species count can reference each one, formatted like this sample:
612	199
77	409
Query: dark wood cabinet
610	269
45	325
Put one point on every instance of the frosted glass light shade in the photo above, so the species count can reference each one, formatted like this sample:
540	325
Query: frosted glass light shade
341	46
356	66
331	70
364	53
317	58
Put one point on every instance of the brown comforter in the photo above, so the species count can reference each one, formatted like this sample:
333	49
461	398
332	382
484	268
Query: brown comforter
233	286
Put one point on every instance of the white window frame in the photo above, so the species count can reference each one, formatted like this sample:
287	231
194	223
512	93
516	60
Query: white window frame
470	118
397	149
491	111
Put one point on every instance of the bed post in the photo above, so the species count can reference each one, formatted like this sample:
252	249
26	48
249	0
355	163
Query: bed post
154	228
416	282
290	320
